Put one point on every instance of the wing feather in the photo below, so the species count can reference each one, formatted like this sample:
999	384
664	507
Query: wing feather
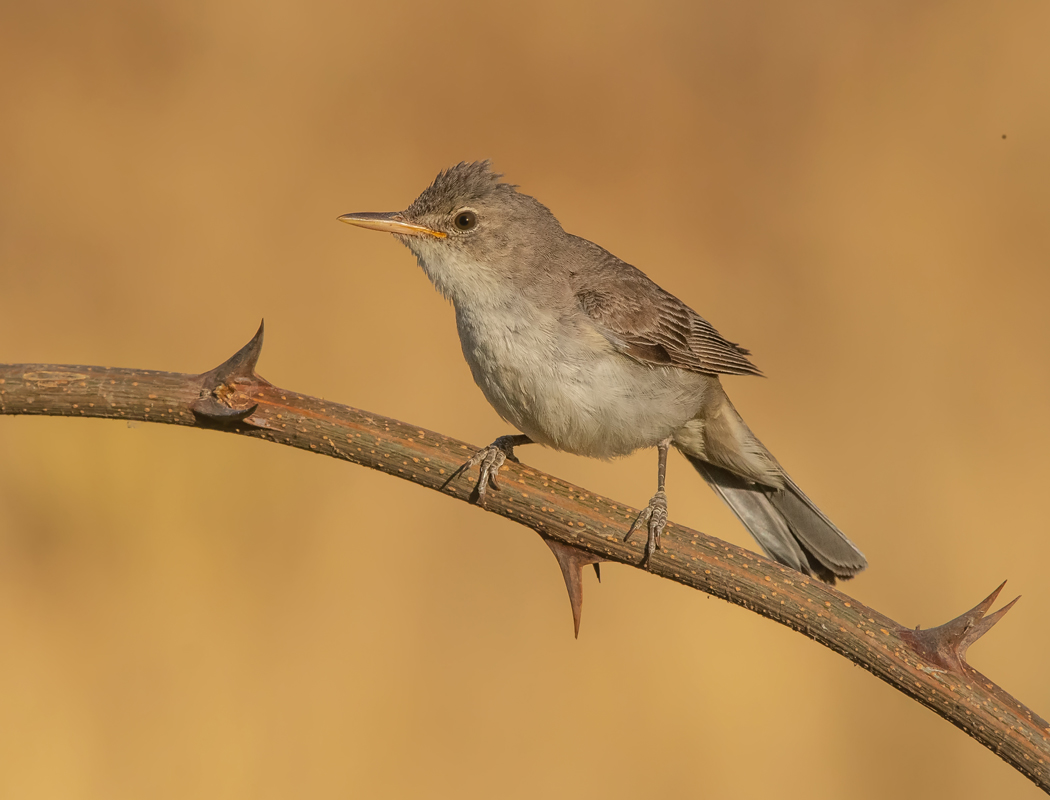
653	326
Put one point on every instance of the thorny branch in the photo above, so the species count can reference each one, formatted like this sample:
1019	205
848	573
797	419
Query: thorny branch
582	528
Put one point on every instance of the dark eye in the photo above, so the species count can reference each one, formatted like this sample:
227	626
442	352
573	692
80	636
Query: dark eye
465	220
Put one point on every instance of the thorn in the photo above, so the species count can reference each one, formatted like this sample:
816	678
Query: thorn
241	364
217	386
946	645
572	560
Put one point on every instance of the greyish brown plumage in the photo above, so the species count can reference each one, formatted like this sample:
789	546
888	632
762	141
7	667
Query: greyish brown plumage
584	353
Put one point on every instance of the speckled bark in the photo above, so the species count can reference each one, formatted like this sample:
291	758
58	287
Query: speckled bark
929	668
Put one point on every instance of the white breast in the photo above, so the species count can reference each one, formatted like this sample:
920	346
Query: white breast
559	381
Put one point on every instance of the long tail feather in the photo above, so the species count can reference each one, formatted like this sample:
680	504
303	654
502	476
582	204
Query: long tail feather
786	524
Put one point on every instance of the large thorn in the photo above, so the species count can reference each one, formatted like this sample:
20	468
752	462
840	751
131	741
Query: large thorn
946	645
219	386
572	561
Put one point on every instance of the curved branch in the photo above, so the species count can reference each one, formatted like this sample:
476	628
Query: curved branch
927	665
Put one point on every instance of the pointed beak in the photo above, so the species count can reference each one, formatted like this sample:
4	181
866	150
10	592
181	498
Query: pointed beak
389	222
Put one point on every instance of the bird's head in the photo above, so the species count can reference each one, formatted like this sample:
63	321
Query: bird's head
468	230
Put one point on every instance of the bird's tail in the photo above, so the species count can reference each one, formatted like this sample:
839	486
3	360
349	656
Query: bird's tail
786	523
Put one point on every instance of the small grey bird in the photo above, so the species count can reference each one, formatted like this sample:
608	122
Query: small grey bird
580	351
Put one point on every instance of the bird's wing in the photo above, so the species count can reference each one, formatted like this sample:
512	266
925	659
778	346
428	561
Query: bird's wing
654	327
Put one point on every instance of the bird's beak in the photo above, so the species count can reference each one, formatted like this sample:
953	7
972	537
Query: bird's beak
389	222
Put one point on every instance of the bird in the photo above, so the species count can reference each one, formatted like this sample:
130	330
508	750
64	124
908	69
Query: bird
582	352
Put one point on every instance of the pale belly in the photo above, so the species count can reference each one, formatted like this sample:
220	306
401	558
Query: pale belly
571	390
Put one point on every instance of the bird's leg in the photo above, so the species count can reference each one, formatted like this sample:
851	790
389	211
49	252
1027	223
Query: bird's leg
655	514
490	459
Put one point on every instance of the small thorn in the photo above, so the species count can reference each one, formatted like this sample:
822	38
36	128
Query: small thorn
572	560
946	645
598	571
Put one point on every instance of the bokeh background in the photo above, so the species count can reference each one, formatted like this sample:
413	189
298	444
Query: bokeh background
858	192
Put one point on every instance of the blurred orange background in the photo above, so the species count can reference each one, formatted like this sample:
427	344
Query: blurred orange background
858	192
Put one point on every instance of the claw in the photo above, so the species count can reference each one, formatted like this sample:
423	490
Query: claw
490	459
654	517
642	517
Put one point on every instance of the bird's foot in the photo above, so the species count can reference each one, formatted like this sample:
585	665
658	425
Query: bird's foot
654	516
490	459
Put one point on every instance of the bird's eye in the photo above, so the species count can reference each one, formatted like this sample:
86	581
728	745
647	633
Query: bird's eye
465	220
